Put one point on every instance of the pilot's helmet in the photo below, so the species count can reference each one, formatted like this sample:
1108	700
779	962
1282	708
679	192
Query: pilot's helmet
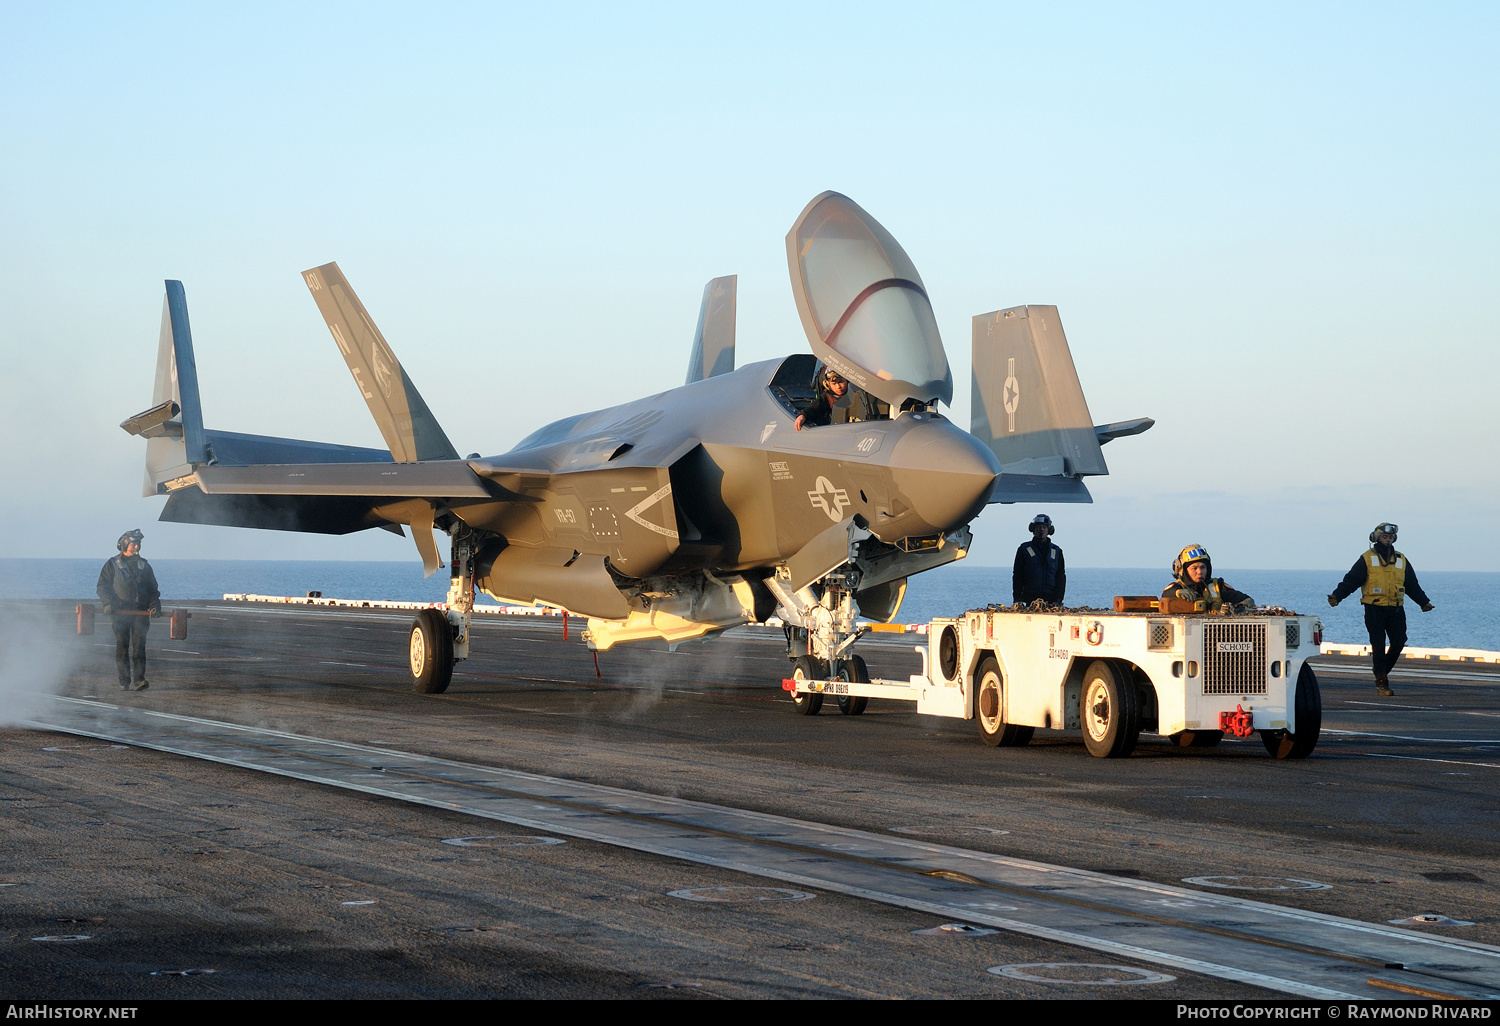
128	537
1380	529
1187	557
833	377
1043	520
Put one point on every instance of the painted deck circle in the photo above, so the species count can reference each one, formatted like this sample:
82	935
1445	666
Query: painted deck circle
1080	974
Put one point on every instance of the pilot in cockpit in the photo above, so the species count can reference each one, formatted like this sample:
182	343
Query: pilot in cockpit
838	402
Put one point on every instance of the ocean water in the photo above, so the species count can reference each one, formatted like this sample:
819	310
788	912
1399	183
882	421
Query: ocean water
1465	616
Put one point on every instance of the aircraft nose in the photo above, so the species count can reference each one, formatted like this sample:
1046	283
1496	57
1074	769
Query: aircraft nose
945	473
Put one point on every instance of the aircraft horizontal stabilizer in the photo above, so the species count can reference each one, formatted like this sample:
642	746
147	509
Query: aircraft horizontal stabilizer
713	341
1039	488
306	514
405	422
153	423
1121	428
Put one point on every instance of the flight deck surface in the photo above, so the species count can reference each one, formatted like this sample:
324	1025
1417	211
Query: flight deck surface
337	881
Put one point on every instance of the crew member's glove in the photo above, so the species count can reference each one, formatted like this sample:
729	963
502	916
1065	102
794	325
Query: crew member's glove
1332	601
108	609
156	613
1427	607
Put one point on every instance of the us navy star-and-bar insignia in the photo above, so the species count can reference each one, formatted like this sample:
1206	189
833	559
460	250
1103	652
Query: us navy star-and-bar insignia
1012	393
829	499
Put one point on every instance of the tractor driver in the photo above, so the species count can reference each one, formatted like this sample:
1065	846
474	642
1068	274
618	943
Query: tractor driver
1194	580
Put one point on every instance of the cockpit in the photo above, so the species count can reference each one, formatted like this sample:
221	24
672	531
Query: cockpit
795	387
864	307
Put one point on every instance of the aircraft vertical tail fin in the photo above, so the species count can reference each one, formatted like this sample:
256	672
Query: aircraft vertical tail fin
173	426
713	342
1028	407
408	426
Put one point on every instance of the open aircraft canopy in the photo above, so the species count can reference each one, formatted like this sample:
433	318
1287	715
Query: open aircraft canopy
863	305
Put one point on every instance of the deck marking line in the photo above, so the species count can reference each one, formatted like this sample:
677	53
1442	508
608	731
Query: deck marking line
837	841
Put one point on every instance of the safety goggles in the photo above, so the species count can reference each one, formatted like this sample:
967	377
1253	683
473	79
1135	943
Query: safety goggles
1390	529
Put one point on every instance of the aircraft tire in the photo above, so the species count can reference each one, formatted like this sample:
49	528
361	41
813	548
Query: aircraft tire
1308	706
989	709
430	651
854	669
807	668
1108	711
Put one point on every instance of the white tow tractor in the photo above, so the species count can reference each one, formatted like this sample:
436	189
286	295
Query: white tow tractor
1187	676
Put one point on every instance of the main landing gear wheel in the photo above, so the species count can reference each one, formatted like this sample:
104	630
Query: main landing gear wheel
431	652
989	708
854	670
1308	719
1108	711
808	668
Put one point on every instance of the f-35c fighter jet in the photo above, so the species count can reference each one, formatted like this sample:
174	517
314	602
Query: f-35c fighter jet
688	512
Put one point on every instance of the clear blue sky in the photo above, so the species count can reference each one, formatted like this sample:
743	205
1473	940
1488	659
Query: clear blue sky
1276	230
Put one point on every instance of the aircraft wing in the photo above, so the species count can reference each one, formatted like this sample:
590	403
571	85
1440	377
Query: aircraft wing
328	498
448	479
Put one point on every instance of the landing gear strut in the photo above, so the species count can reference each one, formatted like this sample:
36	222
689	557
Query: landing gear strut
820	632
439	639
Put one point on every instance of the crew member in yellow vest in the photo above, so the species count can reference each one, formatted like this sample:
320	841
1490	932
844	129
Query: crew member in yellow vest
1194	580
1384	578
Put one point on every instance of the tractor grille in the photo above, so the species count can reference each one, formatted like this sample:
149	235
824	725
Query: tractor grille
1158	634
1293	634
1234	658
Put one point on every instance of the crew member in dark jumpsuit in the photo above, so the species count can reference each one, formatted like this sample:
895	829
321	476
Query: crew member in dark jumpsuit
1385	578
839	403
1194	581
1040	572
127	587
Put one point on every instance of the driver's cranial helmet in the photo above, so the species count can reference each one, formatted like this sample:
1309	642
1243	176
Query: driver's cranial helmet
1187	557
